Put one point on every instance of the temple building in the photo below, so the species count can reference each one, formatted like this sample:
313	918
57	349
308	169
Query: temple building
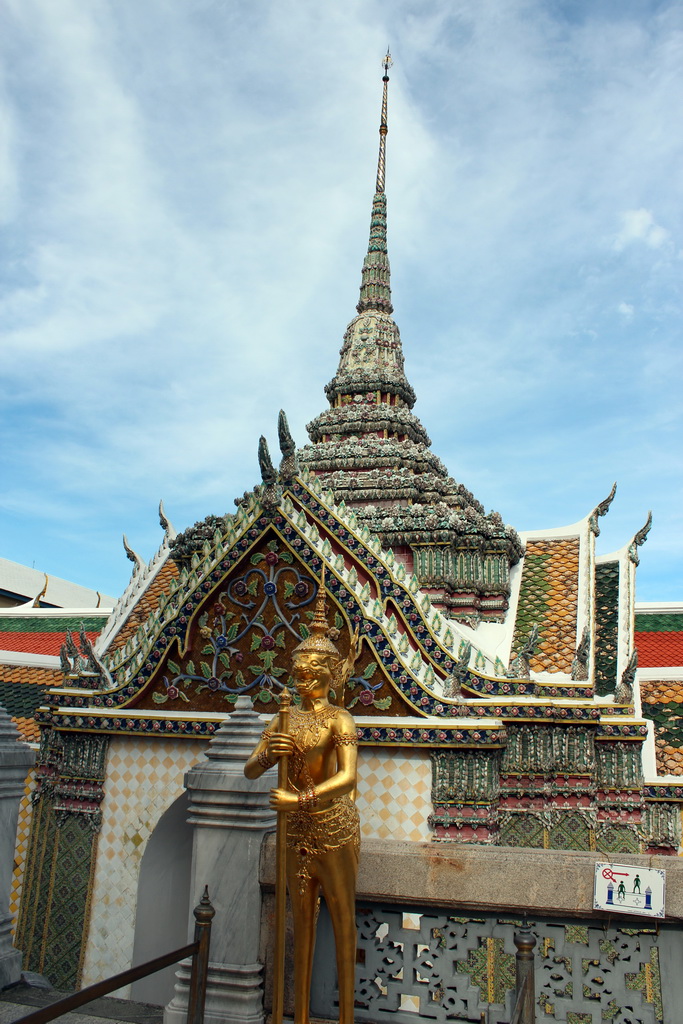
497	695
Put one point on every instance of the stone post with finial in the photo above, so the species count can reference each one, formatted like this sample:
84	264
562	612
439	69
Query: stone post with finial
230	815
16	758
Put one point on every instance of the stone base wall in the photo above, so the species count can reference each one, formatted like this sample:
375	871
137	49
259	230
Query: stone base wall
497	879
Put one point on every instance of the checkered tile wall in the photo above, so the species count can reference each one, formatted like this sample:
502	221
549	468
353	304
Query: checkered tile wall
394	793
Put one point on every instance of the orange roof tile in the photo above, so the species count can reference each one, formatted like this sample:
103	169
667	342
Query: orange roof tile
147	603
669	759
29	730
35	643
31	674
662	701
659	650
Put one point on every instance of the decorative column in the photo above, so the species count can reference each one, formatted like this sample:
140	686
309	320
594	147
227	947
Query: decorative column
231	816
15	760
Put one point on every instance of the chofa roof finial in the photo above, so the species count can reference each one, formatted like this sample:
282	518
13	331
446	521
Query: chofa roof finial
289	465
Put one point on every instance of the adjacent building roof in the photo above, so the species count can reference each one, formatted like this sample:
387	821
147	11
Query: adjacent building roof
19	583
23	689
30	642
41	631
659	634
659	640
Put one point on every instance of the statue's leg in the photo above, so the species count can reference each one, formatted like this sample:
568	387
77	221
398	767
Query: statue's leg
304	915
338	869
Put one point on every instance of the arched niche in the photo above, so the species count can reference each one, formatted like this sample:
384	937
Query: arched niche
163	901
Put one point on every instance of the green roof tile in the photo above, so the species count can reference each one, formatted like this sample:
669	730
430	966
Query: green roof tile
51	624
664	622
22	699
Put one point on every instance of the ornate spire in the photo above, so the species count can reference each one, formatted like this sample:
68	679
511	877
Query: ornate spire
372	451
383	127
375	288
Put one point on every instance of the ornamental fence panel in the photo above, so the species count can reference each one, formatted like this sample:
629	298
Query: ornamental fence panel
435	964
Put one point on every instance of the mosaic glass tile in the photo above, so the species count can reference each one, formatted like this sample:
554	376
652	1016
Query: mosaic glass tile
548	598
606	626
21	847
662	703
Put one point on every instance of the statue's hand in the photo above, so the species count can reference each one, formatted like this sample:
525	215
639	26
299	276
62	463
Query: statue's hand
283	800
280	744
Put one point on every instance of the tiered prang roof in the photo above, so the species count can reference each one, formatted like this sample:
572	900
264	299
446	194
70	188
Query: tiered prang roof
374	452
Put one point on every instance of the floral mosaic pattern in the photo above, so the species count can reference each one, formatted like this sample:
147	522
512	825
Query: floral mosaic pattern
241	642
263	605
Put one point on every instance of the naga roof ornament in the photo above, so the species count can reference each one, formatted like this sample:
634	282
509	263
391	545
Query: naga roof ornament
133	556
601	510
165	523
639	539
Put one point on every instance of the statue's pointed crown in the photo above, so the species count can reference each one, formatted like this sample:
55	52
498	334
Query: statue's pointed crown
319	640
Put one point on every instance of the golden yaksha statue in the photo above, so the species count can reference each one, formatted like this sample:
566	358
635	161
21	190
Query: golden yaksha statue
323	832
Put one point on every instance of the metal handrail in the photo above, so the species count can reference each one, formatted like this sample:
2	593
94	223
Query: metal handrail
198	950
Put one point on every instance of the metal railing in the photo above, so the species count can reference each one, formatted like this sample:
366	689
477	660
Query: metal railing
198	950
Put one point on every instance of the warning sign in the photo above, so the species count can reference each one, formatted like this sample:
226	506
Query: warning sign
628	889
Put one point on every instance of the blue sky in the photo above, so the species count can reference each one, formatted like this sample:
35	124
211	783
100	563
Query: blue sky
186	190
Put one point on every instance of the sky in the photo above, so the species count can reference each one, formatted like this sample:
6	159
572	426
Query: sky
185	194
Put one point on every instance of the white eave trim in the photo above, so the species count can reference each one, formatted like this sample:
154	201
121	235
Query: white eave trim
666	673
21	658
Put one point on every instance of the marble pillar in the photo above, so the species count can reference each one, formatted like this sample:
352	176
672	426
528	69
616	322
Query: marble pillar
15	760
231	816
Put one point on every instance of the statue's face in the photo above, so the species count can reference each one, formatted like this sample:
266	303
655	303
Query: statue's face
313	673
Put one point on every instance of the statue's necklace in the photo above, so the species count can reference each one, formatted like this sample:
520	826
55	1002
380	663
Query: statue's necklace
306	726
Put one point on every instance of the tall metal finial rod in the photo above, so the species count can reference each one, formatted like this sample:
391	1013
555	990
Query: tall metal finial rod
375	288
383	128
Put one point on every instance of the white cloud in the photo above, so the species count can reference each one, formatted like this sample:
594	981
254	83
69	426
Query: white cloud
640	226
188	205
